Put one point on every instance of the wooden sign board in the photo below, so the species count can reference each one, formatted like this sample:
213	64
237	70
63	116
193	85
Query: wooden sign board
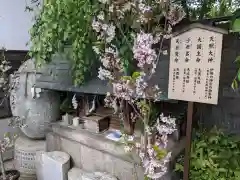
194	69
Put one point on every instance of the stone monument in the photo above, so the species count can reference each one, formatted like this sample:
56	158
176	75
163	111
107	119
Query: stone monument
36	109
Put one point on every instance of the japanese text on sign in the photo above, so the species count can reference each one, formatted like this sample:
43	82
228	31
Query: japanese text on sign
195	66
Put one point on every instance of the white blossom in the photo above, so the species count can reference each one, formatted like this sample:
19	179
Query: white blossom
143	6
138	145
127	7
130	138
110	33
103	1
111	7
122	90
176	14
104	74
167	36
96	50
96	25
157	38
141	86
101	15
165	52
127	149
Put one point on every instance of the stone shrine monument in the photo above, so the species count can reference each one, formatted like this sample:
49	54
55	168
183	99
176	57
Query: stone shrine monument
35	109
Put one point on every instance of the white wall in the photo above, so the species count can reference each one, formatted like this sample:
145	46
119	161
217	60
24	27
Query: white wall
14	24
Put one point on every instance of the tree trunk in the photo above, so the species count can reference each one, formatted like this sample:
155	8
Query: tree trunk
4	177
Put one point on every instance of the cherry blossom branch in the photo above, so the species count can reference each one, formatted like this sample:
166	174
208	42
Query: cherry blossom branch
121	31
160	48
136	111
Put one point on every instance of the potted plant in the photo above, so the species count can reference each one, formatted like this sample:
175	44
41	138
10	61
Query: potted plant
7	142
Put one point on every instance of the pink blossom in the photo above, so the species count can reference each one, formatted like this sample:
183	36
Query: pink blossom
143	51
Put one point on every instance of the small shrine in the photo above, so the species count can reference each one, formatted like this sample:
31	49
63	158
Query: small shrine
76	121
92	128
123	90
84	128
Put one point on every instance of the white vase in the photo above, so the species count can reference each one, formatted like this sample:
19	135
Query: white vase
76	121
65	119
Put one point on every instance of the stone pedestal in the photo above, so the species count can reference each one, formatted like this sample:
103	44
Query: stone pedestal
93	152
25	156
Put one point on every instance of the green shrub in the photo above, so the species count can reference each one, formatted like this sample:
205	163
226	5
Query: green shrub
214	156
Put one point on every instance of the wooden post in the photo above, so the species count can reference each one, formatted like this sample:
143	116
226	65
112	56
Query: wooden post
188	141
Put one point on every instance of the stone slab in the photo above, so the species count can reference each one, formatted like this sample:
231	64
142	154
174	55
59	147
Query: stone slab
55	165
79	174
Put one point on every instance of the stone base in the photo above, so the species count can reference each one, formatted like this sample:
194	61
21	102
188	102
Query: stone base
94	152
25	156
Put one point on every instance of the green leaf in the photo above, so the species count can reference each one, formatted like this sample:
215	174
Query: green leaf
7	134
238	75
237	59
135	75
179	167
222	170
234	84
136	25
126	77
54	26
237	173
146	178
236	25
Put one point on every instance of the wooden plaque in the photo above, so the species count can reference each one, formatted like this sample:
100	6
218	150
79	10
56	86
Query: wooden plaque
194	69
